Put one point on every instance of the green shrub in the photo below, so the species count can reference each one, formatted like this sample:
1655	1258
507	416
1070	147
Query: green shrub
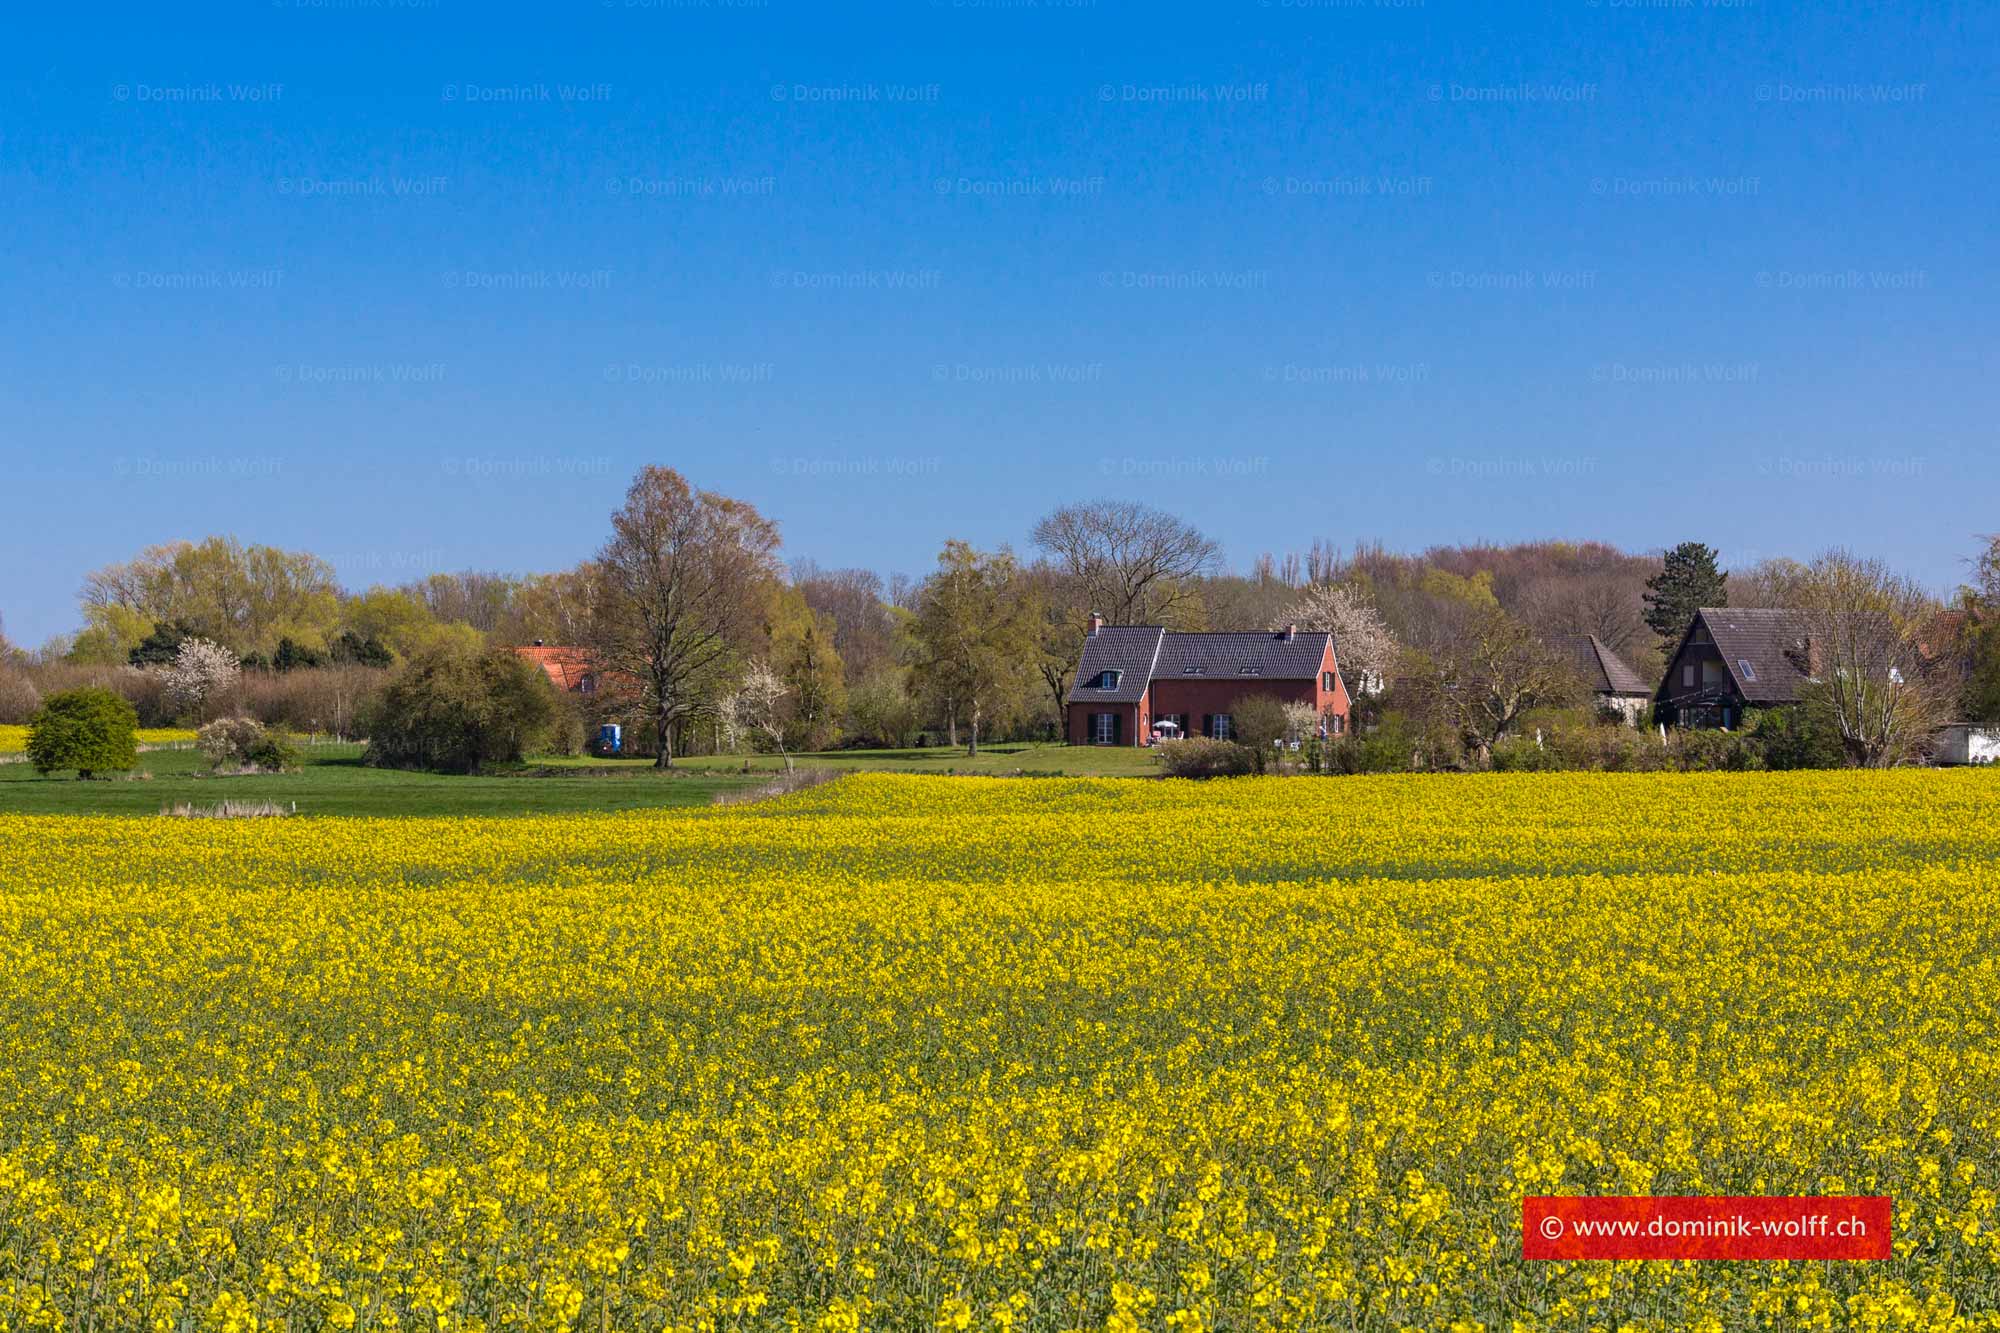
227	741
1520	754
1802	736
457	710
1386	747
276	753
242	742
1199	757
90	730
1258	722
569	731
1700	751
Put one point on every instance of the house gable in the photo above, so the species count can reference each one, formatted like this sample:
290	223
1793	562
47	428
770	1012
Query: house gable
1128	650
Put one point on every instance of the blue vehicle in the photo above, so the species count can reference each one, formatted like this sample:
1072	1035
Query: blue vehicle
610	739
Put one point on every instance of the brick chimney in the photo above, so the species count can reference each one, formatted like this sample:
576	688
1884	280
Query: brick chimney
1096	623
1291	631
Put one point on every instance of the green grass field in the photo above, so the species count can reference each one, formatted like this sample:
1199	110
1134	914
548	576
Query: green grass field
333	781
1004	760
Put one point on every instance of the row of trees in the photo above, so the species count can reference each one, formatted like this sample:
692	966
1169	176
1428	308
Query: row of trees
704	639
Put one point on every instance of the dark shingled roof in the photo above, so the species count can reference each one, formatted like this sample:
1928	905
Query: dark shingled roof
1145	653
1764	638
1224	656
1130	650
1603	670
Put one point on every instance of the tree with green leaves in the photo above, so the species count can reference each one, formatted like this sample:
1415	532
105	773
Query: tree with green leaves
977	630
1259	721
817	685
1980	639
682	589
1689	579
245	598
90	730
456	709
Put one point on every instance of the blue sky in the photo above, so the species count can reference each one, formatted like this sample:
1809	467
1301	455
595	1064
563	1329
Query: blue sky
419	286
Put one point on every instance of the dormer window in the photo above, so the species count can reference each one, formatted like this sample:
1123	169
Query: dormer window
1105	680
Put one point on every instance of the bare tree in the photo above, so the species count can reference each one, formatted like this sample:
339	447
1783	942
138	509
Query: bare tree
1362	643
1482	682
478	598
682	585
1137	564
1572	607
759	705
1769	583
1065	606
864	626
1858	635
555	608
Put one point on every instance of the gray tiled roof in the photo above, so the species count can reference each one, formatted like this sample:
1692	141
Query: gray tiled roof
1129	650
1603	670
1224	656
1762	637
1142	654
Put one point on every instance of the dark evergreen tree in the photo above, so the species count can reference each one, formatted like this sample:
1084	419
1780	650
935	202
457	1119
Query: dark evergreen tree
293	656
162	645
352	647
1688	580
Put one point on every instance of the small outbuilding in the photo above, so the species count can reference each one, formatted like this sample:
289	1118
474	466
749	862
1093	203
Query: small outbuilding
1614	685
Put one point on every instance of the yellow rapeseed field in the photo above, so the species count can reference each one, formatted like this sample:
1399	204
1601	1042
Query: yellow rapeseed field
919	1053
14	740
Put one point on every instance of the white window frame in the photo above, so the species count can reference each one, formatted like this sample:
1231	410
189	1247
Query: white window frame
1103	728
1221	725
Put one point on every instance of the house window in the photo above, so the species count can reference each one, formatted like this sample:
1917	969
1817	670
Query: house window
1687	676
588	685
1103	728
1326	681
1743	665
1335	724
1105	680
1218	725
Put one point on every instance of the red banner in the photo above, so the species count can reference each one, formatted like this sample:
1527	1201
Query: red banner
1638	1226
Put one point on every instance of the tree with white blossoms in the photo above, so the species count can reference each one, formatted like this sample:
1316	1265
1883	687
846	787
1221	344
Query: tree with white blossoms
759	705
1362	643
199	674
1302	721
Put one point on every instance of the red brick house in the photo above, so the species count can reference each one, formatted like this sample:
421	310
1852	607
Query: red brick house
1133	676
